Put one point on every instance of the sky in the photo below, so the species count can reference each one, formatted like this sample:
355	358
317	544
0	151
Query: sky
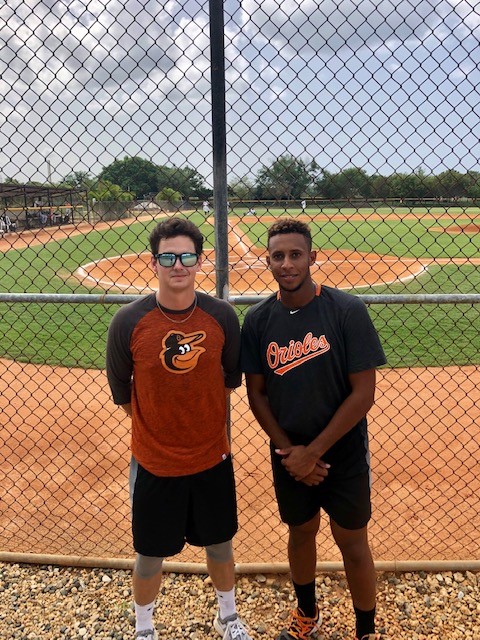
384	86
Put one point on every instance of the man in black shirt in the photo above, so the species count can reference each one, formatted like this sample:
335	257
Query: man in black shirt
310	354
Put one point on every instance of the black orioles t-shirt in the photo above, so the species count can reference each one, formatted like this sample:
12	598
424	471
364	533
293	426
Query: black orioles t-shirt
306	356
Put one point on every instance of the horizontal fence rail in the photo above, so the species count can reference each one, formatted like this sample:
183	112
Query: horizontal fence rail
92	298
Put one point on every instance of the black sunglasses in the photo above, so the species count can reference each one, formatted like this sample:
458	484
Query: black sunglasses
187	259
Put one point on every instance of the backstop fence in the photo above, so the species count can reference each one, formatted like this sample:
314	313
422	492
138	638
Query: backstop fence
360	118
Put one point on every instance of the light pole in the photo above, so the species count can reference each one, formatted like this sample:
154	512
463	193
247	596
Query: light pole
46	154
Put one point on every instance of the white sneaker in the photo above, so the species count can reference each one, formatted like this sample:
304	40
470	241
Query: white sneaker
232	628
148	634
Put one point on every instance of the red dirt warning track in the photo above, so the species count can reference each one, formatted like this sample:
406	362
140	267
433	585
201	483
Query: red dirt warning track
64	485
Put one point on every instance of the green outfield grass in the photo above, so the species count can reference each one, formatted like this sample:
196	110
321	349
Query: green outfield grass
74	335
412	238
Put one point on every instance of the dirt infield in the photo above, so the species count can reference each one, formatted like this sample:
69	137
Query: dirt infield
66	448
248	273
458	228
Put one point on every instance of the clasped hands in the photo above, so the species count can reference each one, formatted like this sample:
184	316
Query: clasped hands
302	466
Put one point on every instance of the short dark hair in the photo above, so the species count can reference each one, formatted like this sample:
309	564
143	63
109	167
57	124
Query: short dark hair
173	227
289	225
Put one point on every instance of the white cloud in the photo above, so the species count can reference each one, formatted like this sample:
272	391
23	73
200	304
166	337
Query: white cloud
309	25
107	43
113	71
468	10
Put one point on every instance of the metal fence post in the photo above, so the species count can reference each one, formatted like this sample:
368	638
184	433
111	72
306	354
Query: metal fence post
219	139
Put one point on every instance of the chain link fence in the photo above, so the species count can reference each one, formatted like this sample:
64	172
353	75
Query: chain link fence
360	118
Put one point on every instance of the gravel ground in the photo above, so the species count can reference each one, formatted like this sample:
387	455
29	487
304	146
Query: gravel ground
59	603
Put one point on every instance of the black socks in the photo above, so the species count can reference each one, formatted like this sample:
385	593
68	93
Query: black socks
306	598
365	622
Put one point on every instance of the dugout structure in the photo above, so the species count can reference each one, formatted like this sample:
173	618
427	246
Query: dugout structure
29	206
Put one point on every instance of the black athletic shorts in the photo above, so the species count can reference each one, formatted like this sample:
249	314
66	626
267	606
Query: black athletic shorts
167	512
345	499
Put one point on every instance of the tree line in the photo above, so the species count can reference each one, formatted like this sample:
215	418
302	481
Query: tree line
295	179
134	179
286	178
138	179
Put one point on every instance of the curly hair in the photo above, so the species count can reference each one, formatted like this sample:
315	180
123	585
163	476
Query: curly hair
290	225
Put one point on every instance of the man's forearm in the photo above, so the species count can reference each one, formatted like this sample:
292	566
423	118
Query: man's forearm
127	408
350	412
262	412
355	406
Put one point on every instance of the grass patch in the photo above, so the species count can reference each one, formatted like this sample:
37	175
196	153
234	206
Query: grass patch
66	335
74	335
409	238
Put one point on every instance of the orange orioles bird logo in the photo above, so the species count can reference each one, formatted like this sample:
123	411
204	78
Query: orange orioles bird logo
181	351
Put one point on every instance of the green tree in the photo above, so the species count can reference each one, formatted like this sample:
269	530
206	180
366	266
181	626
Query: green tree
349	183
187	181
135	175
380	187
106	191
79	180
286	178
402	185
356	183
423	186
327	186
241	189
451	184
473	184
169	195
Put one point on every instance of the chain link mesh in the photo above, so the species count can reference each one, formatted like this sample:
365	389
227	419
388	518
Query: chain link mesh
361	118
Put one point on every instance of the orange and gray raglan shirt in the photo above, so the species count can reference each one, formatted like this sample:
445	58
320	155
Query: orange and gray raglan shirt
174	374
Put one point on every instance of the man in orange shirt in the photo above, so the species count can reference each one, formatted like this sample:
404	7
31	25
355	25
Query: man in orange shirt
172	361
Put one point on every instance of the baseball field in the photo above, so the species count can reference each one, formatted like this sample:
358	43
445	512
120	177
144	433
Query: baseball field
65	446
